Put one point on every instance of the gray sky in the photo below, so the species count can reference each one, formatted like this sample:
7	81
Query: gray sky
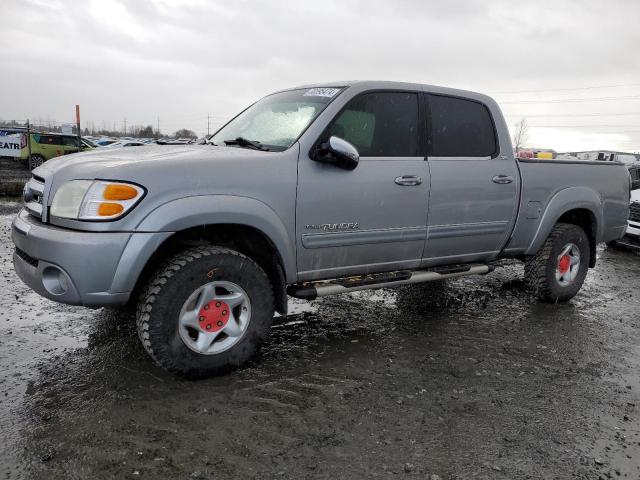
571	67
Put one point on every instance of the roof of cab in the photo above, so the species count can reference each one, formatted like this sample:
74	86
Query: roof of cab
388	85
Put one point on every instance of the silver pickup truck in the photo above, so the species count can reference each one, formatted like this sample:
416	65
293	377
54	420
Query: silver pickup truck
312	191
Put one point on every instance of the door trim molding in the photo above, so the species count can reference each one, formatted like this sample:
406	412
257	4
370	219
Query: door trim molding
465	229
363	237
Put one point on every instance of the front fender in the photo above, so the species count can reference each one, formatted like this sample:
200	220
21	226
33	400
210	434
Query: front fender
565	200
188	212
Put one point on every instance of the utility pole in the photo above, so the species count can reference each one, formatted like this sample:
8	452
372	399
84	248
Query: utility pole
208	117
158	131
125	126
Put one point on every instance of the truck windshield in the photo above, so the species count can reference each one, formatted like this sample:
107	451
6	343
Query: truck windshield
275	122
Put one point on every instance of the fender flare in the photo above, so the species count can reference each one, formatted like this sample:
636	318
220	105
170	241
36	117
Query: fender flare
184	213
565	200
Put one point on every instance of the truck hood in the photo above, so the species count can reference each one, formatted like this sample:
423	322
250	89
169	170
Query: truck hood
162	168
170	172
99	159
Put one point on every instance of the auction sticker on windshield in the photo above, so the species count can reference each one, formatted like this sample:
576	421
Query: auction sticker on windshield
321	92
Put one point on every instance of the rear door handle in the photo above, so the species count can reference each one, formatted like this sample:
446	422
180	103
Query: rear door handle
502	179
408	180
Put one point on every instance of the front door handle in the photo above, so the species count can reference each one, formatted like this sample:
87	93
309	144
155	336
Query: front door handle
408	180
502	179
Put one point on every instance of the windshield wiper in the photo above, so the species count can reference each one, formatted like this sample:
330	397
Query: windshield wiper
243	142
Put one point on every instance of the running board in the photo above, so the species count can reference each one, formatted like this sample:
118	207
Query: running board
311	290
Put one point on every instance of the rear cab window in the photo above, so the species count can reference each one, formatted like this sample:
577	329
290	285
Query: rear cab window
460	128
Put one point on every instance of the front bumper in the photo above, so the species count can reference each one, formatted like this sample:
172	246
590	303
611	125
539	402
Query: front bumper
68	266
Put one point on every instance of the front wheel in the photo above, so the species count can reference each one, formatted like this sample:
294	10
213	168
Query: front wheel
556	273
206	311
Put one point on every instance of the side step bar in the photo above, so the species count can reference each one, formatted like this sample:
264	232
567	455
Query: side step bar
311	290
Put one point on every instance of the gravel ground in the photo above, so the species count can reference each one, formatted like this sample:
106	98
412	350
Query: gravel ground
13	176
472	379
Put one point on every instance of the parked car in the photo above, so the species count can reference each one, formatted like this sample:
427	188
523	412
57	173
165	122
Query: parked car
312	191
631	238
634	172
125	143
103	142
45	146
90	142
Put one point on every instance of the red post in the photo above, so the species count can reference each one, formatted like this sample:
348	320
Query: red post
78	128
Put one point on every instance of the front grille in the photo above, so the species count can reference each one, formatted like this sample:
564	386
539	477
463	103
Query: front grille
634	212
27	258
33	193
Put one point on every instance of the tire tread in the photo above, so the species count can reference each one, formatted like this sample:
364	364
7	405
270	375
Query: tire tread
535	269
154	287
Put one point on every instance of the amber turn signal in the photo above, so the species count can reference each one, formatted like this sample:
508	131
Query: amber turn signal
119	192
106	209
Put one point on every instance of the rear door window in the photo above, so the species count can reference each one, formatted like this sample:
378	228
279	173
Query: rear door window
49	139
380	124
460	128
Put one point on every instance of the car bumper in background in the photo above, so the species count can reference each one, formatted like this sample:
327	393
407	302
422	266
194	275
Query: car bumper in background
631	237
633	229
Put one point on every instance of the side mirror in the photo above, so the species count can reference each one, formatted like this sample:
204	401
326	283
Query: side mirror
338	152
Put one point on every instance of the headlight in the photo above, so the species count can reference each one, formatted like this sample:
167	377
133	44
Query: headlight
95	200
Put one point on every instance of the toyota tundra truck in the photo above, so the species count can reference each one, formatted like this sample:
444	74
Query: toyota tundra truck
310	191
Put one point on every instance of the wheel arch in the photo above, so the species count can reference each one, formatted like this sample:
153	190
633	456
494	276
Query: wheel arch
579	206
243	224
245	239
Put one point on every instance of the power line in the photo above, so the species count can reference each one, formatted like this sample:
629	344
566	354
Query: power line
592	127
571	89
585	126
572	114
571	100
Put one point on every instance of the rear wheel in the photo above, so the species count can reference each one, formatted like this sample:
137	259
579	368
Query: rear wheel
36	161
205	312
556	273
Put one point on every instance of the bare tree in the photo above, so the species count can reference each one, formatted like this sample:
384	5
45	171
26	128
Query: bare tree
521	134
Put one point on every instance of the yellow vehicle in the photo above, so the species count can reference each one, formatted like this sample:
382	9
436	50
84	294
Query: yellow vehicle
45	146
545	155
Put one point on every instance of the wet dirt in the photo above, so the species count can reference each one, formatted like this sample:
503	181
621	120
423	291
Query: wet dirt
472	379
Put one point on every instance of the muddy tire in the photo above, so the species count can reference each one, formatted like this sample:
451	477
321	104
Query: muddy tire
205	312
556	273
